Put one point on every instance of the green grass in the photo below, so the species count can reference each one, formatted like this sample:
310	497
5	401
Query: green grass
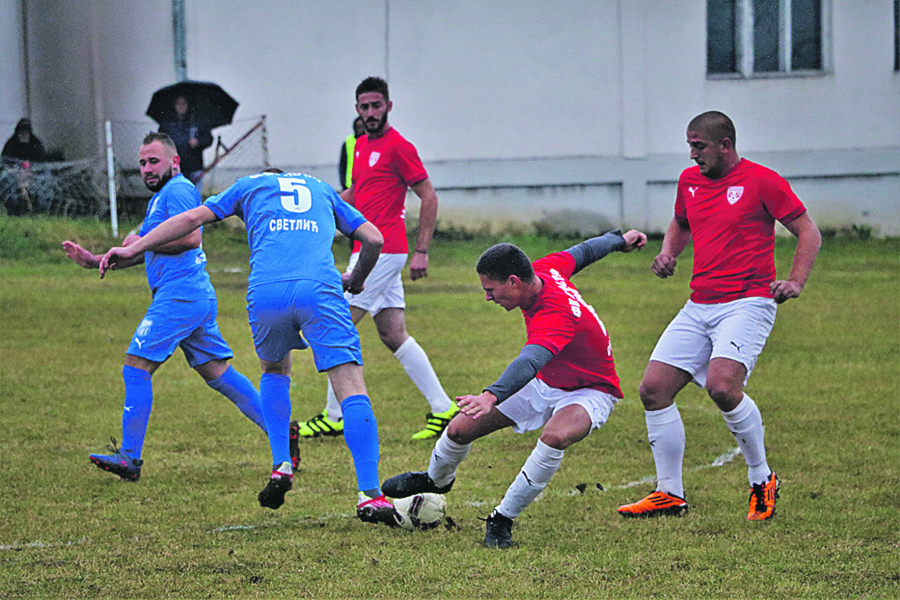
828	385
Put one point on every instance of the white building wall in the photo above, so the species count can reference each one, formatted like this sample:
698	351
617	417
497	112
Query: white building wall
13	105
581	103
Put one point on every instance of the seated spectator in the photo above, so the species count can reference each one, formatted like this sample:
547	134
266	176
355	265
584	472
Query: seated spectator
24	145
16	176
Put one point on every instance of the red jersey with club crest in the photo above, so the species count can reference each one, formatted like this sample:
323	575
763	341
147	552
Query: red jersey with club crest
732	223
383	169
563	323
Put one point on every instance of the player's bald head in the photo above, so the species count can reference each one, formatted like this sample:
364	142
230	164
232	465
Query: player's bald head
714	126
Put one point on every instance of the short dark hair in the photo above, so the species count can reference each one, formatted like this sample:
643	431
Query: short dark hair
163	138
373	84
714	124
500	261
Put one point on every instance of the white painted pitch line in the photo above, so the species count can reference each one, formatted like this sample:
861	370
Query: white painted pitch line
721	460
41	545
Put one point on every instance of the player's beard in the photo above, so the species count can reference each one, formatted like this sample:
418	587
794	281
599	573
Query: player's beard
375	126
163	180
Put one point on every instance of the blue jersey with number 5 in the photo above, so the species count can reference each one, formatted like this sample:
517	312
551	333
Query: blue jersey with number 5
291	220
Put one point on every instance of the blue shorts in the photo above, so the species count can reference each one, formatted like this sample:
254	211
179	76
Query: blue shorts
188	324
280	311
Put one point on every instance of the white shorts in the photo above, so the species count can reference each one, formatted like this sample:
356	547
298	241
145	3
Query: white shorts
737	330
532	406
384	287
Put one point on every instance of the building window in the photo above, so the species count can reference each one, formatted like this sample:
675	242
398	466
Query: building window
752	38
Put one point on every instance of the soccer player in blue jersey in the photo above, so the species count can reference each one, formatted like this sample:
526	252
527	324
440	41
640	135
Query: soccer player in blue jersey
295	288
182	314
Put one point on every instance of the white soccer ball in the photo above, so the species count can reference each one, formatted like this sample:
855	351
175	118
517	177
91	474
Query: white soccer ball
421	511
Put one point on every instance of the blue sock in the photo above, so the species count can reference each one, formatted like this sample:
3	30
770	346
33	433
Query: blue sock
235	386
138	402
361	435
275	398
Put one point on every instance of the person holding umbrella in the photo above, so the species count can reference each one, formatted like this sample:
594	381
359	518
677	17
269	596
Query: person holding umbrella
188	111
191	138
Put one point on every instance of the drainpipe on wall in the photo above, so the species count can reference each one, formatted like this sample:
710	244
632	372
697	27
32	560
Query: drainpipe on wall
178	37
96	78
25	58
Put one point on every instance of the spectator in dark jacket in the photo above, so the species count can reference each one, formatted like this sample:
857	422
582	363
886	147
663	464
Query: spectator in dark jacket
191	138
24	145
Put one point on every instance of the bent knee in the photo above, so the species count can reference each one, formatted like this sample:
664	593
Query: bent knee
558	440
392	340
457	434
726	397
654	397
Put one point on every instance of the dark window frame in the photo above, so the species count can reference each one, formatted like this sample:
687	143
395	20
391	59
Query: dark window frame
772	43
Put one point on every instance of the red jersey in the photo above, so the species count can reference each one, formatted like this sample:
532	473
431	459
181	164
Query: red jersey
732	222
383	169
563	323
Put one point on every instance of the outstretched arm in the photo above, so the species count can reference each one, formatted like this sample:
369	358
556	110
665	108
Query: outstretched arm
89	260
675	241
418	264
371	241
809	240
170	230
592	250
188	242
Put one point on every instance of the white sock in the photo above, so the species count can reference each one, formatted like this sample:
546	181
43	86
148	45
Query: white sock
745	422
531	480
416	364
332	406
445	457
665	430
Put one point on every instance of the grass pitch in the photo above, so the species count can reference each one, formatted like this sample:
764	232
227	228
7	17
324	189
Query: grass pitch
828	386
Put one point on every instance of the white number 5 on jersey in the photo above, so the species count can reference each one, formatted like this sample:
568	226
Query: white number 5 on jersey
295	196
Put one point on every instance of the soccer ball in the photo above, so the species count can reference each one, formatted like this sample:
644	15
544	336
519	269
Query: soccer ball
421	511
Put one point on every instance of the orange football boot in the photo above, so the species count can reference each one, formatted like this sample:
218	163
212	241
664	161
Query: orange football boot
762	499
656	504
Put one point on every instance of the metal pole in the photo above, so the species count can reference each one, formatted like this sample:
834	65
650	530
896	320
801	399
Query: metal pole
179	40
387	39
25	58
265	143
111	176
97	77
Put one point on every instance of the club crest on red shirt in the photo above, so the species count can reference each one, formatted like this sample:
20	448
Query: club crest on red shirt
734	193
373	158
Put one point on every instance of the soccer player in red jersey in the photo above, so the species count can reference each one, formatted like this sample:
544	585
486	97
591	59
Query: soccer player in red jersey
728	207
563	380
385	166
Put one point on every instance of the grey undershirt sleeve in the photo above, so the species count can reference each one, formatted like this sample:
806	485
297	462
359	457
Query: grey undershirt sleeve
592	250
523	369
